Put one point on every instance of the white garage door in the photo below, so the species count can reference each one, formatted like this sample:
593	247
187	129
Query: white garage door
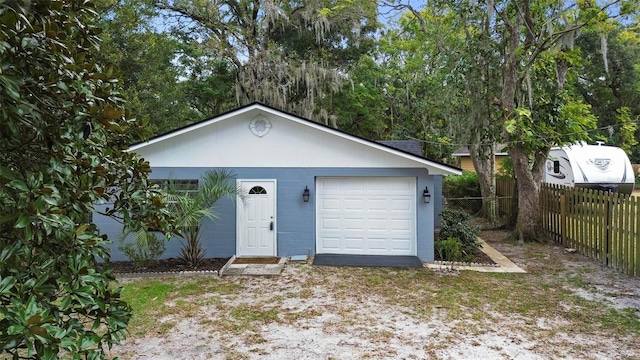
366	216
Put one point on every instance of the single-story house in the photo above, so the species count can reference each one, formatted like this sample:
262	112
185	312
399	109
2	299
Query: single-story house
464	157
307	188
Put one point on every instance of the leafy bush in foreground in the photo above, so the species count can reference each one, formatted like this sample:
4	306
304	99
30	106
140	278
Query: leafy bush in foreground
61	139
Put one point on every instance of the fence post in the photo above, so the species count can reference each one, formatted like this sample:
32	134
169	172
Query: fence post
607	227
563	219
636	237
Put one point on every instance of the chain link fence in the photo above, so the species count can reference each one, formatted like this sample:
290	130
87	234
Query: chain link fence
473	205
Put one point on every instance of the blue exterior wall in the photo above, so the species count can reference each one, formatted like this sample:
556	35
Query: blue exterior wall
295	219
438	199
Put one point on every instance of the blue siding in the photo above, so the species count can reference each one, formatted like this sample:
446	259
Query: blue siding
295	219
438	201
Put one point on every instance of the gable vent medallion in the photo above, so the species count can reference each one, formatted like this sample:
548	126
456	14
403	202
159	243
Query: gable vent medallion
260	126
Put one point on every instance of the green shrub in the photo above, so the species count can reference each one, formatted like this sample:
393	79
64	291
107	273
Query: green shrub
449	249
143	252
455	225
461	187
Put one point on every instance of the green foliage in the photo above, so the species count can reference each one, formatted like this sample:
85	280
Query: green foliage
189	209
145	248
152	78
610	83
465	185
61	139
289	54
506	169
455	226
422	95
461	187
627	131
361	106
449	249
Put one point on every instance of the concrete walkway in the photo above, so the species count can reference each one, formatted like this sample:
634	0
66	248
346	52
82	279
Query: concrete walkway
231	269
504	265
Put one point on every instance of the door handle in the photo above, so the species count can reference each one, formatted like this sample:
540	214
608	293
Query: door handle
271	225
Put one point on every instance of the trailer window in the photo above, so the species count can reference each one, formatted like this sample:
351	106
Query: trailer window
556	166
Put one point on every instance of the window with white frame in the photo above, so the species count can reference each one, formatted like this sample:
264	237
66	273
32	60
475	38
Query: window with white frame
178	186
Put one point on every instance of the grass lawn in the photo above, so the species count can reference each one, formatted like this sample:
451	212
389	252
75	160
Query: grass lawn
565	306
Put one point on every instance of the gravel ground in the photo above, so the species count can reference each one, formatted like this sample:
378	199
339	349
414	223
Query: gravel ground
353	313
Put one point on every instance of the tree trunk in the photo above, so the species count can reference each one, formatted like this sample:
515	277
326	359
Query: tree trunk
529	218
483	160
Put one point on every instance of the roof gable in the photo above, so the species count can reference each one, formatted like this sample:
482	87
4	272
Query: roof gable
228	140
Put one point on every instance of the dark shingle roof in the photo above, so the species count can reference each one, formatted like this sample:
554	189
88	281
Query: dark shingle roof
408	146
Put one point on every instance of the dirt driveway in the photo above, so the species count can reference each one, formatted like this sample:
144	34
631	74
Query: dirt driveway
566	306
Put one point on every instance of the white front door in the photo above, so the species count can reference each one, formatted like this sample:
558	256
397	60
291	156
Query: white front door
256	223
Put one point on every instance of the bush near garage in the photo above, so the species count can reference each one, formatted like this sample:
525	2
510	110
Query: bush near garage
457	234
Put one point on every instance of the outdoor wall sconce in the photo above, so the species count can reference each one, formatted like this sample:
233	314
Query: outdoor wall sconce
305	194
426	195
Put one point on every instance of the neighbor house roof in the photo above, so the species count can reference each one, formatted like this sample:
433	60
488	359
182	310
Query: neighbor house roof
406	152
499	149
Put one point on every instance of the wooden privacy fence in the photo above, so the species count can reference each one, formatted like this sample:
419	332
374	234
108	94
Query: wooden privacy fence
600	225
505	190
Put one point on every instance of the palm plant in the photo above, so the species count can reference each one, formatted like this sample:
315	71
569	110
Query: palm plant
190	208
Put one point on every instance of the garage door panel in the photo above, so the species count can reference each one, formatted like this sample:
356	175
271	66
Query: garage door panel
401	225
331	224
400	186
380	186
378	204
331	187
330	204
378	244
330	243
352	187
354	224
354	243
401	205
400	242
366	216
378	224
354	204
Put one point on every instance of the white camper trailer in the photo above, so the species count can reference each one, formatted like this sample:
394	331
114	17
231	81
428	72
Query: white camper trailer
591	166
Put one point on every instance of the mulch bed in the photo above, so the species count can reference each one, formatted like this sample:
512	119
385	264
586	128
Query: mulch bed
481	258
166	265
215	264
